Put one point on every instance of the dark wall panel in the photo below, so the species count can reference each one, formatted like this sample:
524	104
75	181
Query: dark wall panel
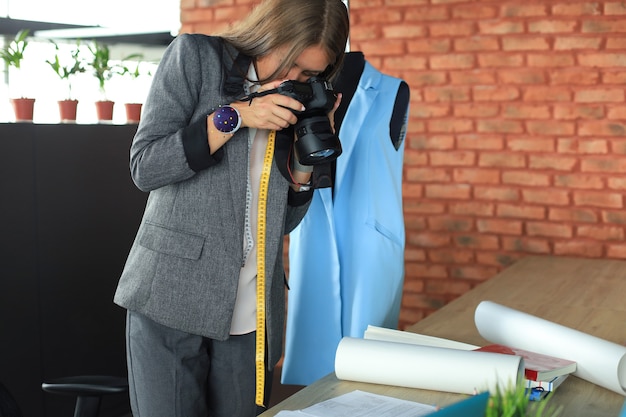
69	213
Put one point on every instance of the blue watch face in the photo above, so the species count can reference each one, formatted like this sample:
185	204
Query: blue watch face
226	119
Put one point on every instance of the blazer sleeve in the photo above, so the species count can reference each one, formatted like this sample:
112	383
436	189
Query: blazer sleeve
171	141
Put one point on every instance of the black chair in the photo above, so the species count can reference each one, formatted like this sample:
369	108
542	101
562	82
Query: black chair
88	390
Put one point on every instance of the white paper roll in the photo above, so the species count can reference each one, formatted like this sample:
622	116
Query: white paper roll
598	361
425	367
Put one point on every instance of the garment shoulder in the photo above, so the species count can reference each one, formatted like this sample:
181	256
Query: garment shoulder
200	41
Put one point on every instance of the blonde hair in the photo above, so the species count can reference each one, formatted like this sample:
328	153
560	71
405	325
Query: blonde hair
298	24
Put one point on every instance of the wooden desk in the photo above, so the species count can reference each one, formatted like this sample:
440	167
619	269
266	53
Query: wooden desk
584	294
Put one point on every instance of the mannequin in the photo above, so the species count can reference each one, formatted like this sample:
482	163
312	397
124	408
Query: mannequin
347	256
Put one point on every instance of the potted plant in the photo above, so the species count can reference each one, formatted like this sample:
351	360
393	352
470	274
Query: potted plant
13	54
515	402
104	70
67	106
133	108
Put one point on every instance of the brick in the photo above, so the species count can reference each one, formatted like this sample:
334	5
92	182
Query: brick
541	196
448	191
501	159
520	211
546	94
601	232
524	10
618	147
472	208
614	8
614	77
499	259
498	226
526	111
474	11
552	26
429	13
449	223
525	43
363	33
616	43
403	31
604	26
601	199
616	251
447	93
525	245
422	207
474	77
531	144
570	43
484	142
413	255
616	183
549	229
554	60
578	111
452	61
450	255
493	193
602	59
429	45
379	15
428	175
601	128
616	113
426	78
452	29
599	95
607	164
454	125
427	271
475	110
412	189
438	142
499	126
577	9
500	60
476	175
400	63
428	239
526	178
522	76
430	110
500	27
582	146
476	43
573	76
572	215
557	163
575	248
554	128
480	273
383	47
614	217
580	181
495	93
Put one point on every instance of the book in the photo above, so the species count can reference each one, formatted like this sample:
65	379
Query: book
547	386
537	367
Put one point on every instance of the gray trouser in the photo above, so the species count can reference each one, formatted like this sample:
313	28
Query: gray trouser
176	374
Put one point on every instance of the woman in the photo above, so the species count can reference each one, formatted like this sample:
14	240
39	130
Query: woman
189	284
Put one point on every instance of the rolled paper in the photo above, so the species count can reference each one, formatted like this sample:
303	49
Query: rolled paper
425	367
598	361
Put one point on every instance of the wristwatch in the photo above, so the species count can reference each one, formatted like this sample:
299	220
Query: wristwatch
227	119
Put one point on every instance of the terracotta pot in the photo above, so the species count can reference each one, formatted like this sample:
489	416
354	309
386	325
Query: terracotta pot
104	110
67	110
133	112
23	108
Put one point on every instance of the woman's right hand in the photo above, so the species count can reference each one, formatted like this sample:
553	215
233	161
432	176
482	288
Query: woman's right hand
273	111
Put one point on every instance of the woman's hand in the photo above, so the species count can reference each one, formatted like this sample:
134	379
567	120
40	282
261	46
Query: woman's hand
273	111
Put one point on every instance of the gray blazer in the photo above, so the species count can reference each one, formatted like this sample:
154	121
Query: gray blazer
183	267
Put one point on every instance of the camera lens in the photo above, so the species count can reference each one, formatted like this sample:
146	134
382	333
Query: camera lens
316	142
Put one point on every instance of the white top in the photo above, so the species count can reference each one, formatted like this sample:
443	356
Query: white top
244	316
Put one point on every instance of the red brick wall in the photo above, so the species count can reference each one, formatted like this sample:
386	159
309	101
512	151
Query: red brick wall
516	144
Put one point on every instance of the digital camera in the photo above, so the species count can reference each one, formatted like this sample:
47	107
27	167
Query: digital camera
316	143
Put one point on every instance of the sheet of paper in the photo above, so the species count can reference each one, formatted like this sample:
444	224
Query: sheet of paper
425	367
362	404
598	361
392	335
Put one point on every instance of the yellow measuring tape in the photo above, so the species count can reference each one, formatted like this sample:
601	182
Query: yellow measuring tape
260	265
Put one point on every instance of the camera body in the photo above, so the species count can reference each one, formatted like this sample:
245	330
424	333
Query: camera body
316	142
